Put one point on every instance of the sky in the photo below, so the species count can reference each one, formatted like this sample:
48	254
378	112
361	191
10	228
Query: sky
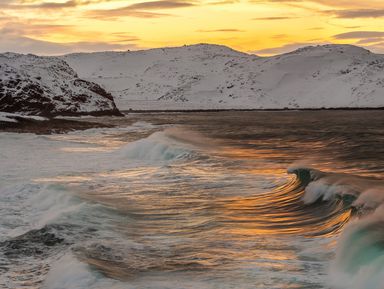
263	27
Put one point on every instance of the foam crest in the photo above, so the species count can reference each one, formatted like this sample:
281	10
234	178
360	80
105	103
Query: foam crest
51	203
68	272
322	190
322	186
165	145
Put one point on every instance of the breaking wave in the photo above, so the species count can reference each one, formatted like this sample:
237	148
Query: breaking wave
359	261
170	144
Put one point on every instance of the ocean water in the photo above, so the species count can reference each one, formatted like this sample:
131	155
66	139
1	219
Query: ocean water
197	200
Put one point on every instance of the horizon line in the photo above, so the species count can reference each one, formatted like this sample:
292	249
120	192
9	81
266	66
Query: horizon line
266	55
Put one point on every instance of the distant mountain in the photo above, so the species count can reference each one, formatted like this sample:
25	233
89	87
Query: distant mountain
216	77
47	86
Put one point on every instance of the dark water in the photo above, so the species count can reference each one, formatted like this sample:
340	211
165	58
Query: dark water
197	200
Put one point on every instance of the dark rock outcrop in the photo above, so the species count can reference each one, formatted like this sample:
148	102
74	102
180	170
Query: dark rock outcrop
47	86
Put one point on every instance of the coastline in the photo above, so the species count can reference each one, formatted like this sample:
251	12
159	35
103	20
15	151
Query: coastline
49	126
64	124
247	109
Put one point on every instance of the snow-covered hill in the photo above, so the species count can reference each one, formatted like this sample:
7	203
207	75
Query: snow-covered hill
216	77
47	86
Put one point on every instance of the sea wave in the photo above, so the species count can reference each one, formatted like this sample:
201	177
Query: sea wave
169	144
359	260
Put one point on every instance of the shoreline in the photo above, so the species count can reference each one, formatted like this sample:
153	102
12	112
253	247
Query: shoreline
248	109
49	126
65	124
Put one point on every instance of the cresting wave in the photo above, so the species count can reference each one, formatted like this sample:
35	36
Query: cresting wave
169	144
364	193
359	260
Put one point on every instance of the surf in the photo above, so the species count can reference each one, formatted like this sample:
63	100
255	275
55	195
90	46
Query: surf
210	201
359	260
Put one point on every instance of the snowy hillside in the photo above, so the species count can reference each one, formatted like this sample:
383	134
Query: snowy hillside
167	78
48	86
216	77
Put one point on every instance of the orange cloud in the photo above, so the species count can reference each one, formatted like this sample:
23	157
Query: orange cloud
265	26
359	13
359	34
141	9
221	30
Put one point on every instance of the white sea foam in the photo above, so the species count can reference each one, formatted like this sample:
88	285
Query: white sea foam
368	192
53	203
322	190
41	205
68	272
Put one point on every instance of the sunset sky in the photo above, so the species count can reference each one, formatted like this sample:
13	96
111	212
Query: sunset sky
263	27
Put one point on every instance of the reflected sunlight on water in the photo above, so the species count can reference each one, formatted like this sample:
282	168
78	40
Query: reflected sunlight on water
184	201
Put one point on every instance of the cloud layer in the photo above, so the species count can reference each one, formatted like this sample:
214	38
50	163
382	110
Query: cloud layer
263	26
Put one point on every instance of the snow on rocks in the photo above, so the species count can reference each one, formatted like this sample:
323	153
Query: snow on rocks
47	86
14	117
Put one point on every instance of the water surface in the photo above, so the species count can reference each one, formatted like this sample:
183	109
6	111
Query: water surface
194	200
